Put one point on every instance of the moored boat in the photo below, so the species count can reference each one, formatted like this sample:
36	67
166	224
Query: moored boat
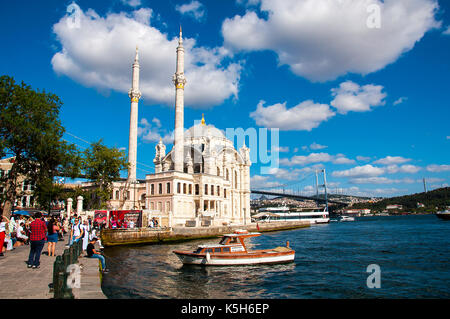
231	250
444	214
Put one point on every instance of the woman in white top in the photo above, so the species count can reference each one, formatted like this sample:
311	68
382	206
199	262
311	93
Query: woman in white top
86	234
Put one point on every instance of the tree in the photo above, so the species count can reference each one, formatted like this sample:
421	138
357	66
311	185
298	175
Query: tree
102	166
31	134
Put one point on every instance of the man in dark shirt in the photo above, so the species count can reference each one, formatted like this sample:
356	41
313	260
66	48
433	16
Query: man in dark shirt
37	238
92	253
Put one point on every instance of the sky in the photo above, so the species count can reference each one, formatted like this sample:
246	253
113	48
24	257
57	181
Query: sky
358	88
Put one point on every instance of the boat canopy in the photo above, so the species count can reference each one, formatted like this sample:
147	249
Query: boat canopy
241	235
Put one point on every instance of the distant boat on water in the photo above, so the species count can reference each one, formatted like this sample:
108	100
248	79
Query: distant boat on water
445	214
283	213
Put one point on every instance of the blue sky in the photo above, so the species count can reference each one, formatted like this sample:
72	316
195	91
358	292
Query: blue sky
364	96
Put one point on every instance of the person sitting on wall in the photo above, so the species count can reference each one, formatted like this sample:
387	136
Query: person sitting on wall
92	253
21	234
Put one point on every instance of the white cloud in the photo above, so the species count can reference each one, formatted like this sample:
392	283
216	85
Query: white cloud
438	168
363	158
99	53
131	3
447	31
389	160
352	97
282	149
194	9
323	39
411	169
343	160
400	100
381	180
302	117
309	159
360	171
152	133
316	158
248	3
258	181
315	146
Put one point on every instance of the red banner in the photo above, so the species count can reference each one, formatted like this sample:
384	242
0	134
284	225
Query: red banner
125	218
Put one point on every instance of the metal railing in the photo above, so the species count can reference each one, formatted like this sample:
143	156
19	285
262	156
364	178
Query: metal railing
61	287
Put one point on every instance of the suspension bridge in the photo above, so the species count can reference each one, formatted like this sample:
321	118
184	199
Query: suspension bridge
292	191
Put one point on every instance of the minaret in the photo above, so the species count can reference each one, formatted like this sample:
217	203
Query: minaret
134	95
179	81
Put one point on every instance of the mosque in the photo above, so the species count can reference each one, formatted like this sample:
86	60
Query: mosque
202	181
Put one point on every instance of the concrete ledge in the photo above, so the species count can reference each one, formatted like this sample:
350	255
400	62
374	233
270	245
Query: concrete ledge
91	286
113	237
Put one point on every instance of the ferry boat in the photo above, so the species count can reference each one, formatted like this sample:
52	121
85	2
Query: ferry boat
444	214
232	250
283	213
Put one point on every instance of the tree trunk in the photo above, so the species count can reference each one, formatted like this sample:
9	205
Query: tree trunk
7	208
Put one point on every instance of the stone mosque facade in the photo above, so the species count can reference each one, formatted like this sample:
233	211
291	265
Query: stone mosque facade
202	181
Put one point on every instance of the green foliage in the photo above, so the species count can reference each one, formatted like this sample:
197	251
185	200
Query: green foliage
439	198
31	132
102	166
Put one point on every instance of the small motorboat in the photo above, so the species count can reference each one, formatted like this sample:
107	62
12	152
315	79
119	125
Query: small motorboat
347	219
444	214
231	250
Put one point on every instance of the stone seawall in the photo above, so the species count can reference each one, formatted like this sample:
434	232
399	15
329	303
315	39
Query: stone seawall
114	237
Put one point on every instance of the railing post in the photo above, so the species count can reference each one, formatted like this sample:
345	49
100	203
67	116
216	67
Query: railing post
58	277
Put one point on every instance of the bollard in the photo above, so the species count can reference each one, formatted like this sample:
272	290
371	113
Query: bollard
58	265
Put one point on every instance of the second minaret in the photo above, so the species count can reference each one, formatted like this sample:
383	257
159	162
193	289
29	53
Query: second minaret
179	81
134	95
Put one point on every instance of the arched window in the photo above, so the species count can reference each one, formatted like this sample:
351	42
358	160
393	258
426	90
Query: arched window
218	171
184	189
152	189
142	197
218	190
179	188
190	189
168	188
160	188
206	189
117	195
224	193
197	189
228	175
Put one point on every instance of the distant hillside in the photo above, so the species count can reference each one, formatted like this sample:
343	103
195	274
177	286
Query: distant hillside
436	198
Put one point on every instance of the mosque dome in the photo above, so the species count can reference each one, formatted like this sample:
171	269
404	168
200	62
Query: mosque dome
203	130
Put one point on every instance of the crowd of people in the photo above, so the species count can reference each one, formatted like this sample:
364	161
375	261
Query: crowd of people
37	230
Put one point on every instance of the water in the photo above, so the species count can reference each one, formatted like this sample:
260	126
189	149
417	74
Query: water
331	260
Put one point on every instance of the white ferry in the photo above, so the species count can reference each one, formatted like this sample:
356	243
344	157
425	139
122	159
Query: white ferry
283	213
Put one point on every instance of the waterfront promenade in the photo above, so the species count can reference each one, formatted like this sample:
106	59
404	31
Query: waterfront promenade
19	282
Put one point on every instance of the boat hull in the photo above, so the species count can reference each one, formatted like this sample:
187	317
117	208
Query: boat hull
444	216
234	260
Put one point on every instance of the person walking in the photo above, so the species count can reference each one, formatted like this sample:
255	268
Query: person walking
76	231
3	226
86	232
38	234
52	238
